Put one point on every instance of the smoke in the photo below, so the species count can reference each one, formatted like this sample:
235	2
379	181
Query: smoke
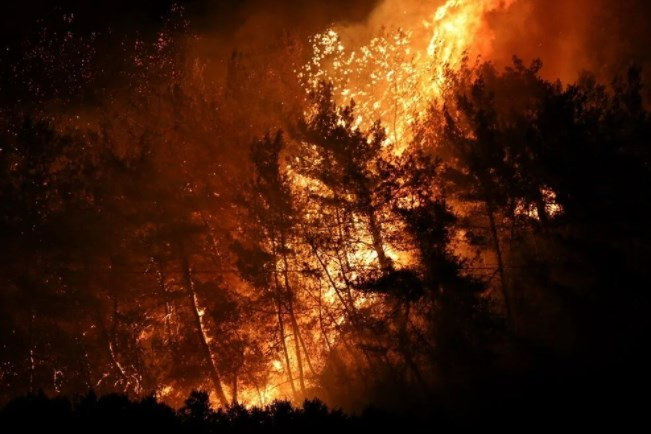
602	36
251	24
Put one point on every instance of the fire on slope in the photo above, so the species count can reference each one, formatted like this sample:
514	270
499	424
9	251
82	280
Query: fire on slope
394	78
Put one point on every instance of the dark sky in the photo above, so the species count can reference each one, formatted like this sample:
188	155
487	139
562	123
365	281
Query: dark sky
19	18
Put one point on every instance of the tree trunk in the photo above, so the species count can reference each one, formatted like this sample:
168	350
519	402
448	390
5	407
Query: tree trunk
378	242
404	344
110	348
288	365
290	305
541	208
234	389
281	322
351	311
168	312
198	322
500	264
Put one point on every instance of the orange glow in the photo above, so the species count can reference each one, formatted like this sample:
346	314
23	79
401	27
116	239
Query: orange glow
398	74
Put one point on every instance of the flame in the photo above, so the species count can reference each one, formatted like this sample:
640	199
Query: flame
399	74
395	77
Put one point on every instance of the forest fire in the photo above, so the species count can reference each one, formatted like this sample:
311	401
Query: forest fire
399	74
366	205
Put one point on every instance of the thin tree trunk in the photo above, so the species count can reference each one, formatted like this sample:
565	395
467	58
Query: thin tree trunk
234	389
333	352
209	359
307	355
349	307
290	305
260	401
324	332
297	347
342	242
378	242
351	311
281	323
108	336
404	344
351	348
168	311
366	202
500	264
110	347
542	212
288	365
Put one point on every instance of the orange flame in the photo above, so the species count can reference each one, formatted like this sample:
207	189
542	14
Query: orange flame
397	75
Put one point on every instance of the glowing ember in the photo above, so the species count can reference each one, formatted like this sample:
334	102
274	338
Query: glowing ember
397	75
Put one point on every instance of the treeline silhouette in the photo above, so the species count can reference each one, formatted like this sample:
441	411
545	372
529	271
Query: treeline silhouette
114	413
536	404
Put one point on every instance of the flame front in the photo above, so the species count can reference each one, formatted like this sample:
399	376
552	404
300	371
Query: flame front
393	78
398	74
